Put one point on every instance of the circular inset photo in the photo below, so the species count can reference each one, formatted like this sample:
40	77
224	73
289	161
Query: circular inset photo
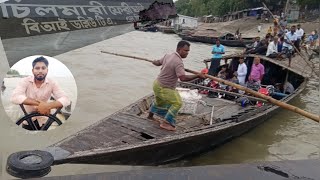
39	93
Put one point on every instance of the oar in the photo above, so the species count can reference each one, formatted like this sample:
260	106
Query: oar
247	90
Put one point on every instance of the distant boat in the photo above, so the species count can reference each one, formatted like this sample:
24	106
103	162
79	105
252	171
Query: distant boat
227	40
35	27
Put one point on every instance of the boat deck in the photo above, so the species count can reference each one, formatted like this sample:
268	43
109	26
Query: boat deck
298	65
132	126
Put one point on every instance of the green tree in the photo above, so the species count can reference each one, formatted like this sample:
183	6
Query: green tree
221	7
13	72
309	3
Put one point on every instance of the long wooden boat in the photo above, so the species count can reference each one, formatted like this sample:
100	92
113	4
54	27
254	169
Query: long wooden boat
147	29
128	137
33	27
166	29
226	40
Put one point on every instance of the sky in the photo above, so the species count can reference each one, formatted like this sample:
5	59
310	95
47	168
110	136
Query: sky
55	68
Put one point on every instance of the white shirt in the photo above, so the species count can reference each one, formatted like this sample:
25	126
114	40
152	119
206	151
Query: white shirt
299	33
259	28
290	37
288	87
272	48
242	72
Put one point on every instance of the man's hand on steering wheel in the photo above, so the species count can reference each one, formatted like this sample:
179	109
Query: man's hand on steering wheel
43	108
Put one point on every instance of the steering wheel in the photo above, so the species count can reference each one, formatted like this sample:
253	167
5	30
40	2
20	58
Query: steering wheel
28	117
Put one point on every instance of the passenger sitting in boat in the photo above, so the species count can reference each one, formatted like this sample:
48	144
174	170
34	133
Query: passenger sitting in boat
257	71
261	48
288	88
217	51
272	51
253	45
167	100
35	92
223	72
280	43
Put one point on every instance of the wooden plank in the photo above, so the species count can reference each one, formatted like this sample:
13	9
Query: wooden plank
129	131
107	133
141	124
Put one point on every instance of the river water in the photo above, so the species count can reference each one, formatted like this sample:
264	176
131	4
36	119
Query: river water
108	83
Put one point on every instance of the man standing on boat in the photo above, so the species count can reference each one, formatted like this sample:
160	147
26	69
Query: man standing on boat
35	91
167	100
289	39
241	72
299	33
257	71
217	51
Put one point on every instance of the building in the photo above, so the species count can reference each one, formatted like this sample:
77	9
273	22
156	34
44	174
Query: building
292	10
185	21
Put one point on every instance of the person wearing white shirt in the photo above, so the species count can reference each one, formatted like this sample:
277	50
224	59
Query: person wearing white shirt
299	33
272	51
289	39
241	73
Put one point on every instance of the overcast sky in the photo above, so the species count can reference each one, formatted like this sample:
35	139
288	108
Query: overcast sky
55	68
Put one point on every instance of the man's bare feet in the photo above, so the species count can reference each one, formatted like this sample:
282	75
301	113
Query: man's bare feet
167	126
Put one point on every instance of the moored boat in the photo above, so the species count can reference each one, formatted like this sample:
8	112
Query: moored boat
227	40
166	29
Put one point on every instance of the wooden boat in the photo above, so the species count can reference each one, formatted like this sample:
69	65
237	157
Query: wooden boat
33	27
128	137
148	29
227	40
166	29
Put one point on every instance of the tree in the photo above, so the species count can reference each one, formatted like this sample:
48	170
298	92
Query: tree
221	7
309	3
13	72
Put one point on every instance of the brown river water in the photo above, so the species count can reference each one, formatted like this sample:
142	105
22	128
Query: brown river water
108	83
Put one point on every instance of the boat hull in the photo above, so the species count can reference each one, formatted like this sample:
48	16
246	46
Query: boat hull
212	40
168	149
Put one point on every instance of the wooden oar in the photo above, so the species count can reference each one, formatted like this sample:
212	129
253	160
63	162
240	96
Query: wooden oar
247	90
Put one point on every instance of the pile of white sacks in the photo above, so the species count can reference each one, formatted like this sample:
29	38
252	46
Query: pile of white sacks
190	99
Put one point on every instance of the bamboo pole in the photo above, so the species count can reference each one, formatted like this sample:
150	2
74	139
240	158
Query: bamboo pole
247	90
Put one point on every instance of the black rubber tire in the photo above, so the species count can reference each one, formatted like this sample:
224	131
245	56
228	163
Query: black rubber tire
17	168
